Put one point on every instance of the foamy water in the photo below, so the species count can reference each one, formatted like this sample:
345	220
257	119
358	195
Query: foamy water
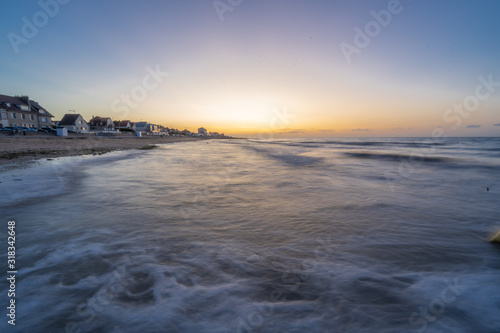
302	235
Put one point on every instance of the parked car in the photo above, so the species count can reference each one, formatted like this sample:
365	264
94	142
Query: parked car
27	129
47	130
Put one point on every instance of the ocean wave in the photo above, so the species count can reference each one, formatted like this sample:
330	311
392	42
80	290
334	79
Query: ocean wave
386	143
288	243
292	159
49	178
400	157
415	160
348	143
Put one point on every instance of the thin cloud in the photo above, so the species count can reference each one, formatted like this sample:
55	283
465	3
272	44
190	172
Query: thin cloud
361	130
496	124
473	126
402	129
293	132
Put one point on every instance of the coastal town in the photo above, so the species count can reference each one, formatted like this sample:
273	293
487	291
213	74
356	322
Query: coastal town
20	115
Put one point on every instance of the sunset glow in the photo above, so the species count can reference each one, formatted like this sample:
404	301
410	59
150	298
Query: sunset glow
339	68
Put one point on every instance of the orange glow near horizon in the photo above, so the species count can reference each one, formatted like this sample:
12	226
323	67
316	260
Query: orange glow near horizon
240	75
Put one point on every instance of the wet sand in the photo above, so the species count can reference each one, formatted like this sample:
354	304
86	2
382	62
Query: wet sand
20	150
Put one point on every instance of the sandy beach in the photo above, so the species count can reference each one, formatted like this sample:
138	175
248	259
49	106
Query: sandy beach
21	149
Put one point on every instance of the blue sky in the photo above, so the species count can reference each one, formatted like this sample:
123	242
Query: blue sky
265	58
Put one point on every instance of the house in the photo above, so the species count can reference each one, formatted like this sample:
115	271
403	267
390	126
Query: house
101	124
20	111
74	123
141	126
124	125
153	129
164	130
202	131
44	116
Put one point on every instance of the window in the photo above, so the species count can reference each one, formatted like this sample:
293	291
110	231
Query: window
24	107
8	105
32	117
44	120
79	121
13	115
23	116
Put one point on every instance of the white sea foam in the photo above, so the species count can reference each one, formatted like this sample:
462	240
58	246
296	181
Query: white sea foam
273	242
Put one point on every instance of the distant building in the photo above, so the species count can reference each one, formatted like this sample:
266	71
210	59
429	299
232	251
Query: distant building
44	116
74	123
124	125
202	131
20	111
141	126
101	124
153	128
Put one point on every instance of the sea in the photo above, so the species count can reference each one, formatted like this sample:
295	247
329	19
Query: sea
248	235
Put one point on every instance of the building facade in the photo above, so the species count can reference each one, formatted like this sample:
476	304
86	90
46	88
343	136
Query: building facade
101	124
124	125
141	126
20	111
74	123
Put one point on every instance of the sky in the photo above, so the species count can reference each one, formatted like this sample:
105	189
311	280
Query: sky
261	67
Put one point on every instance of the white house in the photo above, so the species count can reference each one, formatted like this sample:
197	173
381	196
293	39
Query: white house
74	123
202	131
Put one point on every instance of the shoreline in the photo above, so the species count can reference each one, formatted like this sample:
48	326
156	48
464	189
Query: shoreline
21	150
